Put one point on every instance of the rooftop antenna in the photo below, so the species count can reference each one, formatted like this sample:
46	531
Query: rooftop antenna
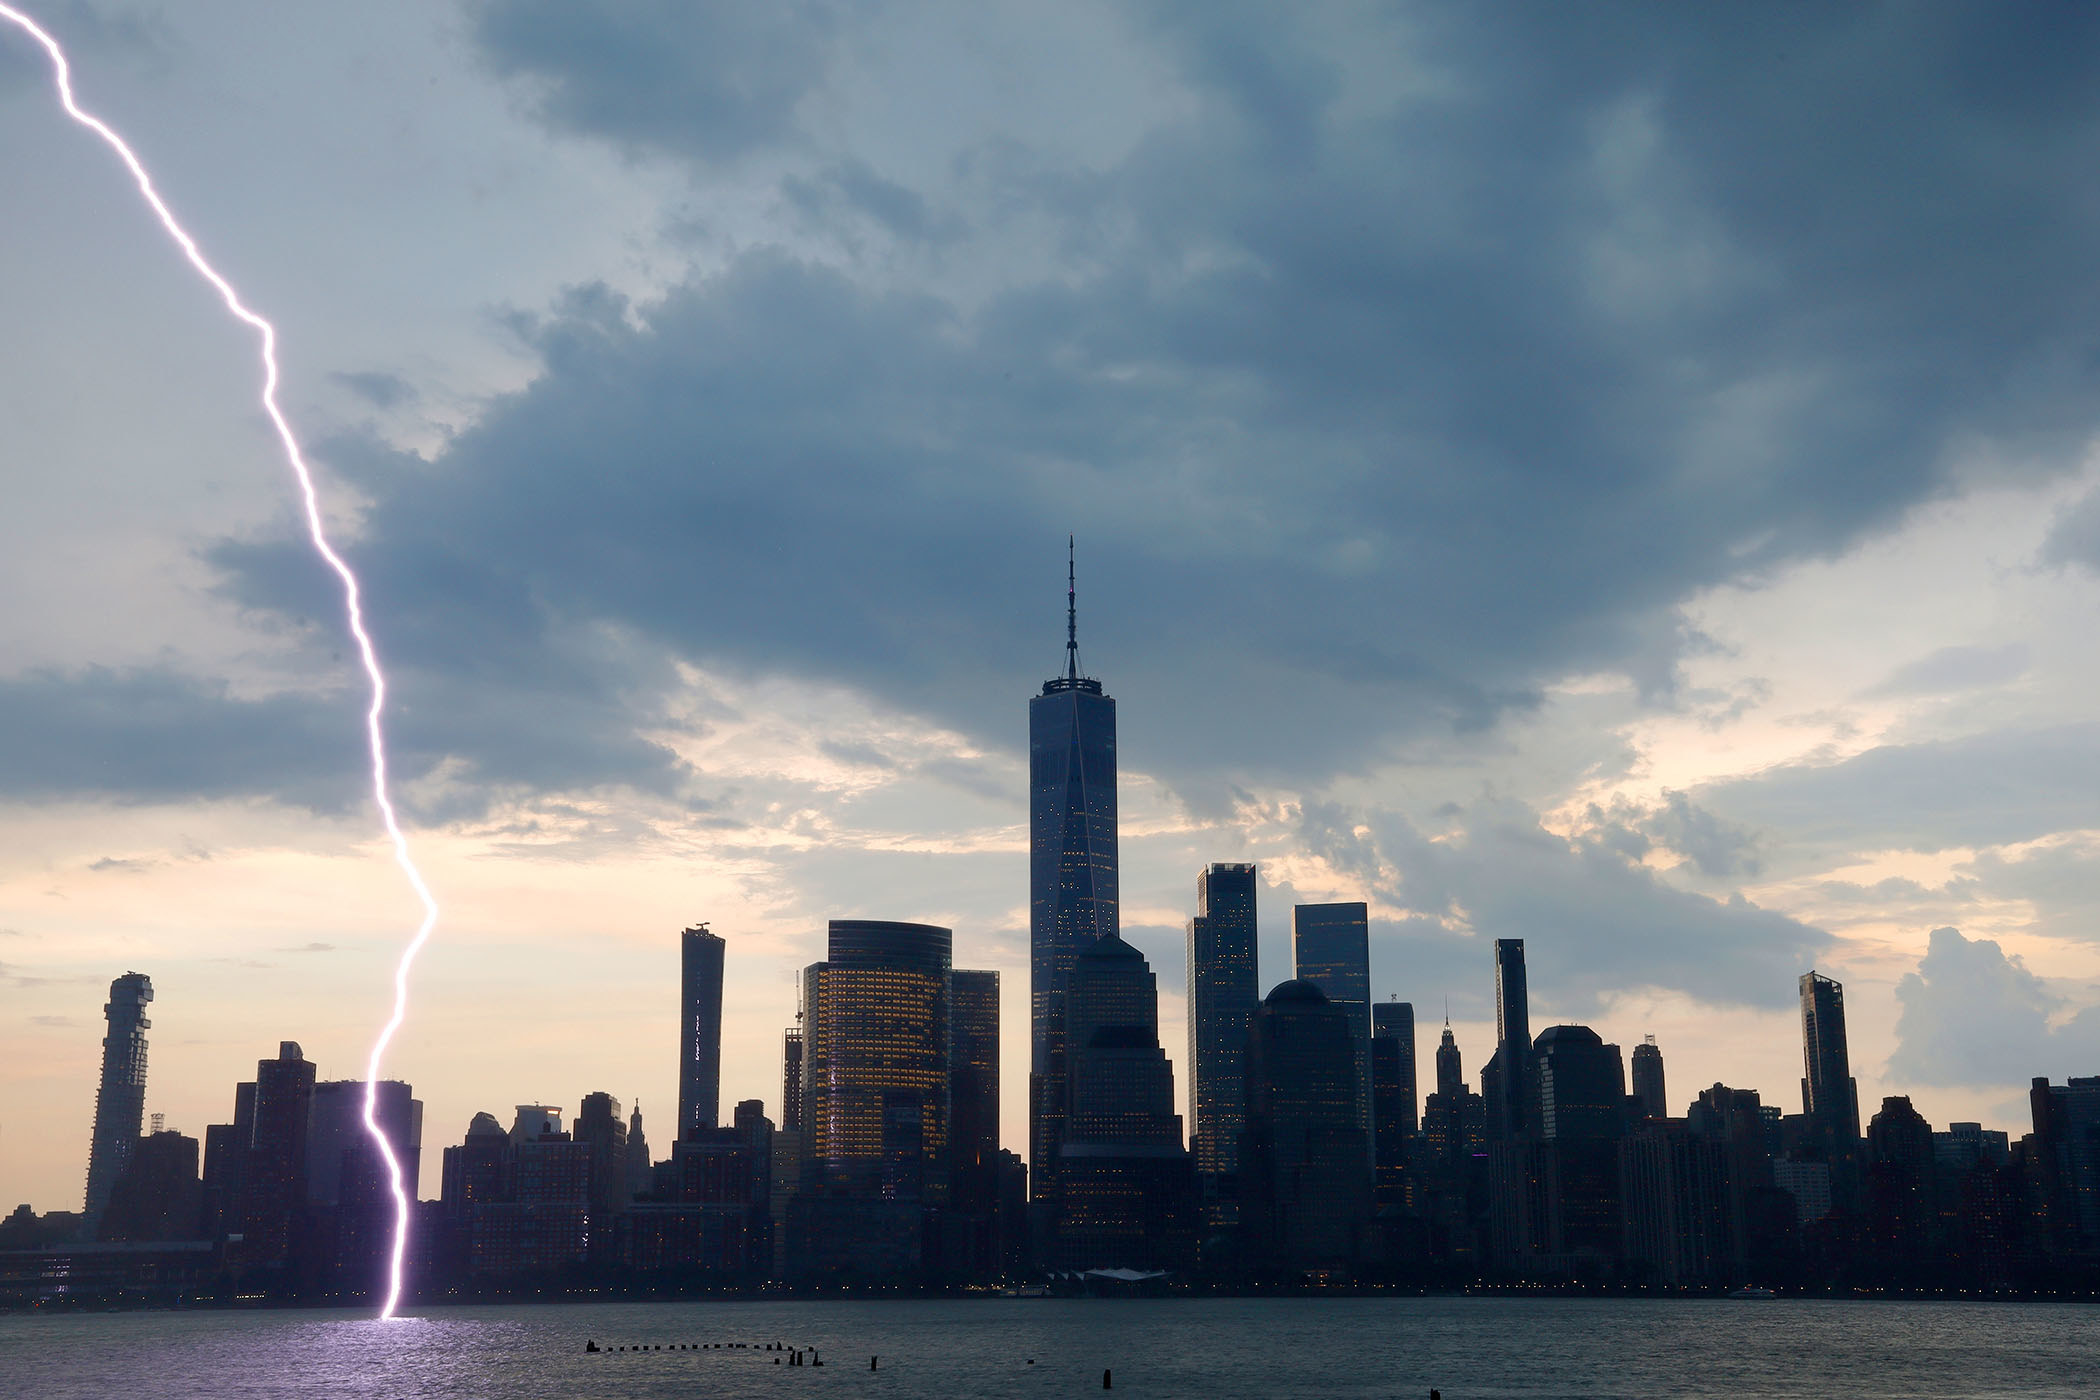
1071	607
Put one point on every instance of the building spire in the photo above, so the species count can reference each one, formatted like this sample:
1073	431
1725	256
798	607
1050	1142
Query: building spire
1071	607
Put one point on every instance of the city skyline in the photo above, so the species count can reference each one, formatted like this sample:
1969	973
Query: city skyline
1500	500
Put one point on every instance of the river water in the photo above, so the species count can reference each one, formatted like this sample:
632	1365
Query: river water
958	1350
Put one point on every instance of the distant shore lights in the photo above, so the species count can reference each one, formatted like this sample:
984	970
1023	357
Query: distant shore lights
62	74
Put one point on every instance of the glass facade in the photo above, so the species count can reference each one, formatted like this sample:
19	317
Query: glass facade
973	1076
1395	1021
875	1029
1331	948
1071	880
1223	990
700	1031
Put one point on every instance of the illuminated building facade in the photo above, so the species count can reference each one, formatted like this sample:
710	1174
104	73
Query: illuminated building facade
875	1026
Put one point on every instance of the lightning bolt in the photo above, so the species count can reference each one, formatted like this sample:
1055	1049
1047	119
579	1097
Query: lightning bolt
352	605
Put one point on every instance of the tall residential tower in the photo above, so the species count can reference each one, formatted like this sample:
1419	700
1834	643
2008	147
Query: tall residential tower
699	1031
120	1104
1829	1095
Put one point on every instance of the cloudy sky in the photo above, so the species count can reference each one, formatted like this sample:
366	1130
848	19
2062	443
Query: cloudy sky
1618	476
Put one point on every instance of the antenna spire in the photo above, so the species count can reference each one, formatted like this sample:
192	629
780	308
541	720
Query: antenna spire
1071	607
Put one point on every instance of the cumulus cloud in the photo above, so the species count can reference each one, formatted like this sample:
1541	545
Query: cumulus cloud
1973	1015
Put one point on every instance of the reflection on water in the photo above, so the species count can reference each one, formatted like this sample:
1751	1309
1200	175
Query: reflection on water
959	1350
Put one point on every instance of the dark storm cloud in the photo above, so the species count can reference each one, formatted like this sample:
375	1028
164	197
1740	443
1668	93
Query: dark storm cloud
150	734
710	82
1974	1016
1373	415
1982	790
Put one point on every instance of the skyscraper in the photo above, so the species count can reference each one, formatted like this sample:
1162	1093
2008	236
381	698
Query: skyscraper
275	1184
1393	1117
1829	1094
1223	991
875	1053
791	1079
1305	1176
1648	1079
598	1126
1071	871
973	1082
699	1031
335	1129
640	1169
1331	948
1395	1021
120	1102
1126	1188
1506	1082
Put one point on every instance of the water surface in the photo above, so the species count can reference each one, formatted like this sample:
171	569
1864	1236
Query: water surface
1166	1350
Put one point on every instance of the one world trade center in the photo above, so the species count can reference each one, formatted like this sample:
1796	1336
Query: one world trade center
1071	873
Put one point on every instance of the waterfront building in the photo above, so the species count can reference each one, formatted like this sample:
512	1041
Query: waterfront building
1072	871
1126	1184
1305	1176
274	1188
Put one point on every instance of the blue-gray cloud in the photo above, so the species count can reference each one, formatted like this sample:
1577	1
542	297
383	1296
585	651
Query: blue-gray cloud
1979	790
710	82
1373	415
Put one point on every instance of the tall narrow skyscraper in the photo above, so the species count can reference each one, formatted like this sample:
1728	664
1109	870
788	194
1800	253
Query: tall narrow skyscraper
120	1102
1071	872
1506	1082
973	1082
1223	991
1331	948
1829	1094
699	1031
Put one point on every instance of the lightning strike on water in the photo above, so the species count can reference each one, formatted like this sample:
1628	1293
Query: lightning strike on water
63	74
